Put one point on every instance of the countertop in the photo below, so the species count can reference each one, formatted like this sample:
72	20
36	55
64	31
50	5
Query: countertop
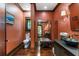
72	50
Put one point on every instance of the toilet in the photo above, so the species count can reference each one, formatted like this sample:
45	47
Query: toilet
27	40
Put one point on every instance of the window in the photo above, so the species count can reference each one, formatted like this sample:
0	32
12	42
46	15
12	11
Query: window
28	24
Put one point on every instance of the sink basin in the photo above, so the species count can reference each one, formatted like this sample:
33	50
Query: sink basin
71	42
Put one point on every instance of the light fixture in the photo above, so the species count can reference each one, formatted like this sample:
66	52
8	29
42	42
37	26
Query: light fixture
63	13
45	7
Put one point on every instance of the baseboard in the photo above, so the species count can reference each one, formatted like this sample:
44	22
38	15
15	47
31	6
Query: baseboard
15	50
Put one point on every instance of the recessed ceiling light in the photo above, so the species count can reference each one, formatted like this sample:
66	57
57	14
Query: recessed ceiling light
45	7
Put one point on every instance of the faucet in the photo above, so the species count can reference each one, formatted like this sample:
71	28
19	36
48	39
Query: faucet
71	36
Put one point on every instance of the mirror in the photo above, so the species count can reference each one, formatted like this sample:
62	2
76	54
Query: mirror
74	17
47	29
74	23
44	28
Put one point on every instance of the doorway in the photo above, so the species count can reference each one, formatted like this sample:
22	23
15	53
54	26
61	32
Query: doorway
27	33
44	36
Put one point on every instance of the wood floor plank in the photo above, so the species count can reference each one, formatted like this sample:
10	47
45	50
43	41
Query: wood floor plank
33	52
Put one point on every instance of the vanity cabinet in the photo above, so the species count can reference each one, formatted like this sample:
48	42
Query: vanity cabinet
60	49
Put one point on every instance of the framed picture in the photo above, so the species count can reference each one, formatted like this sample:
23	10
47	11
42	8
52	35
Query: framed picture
9	18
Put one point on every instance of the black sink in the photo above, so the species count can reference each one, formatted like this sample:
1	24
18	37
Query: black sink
71	42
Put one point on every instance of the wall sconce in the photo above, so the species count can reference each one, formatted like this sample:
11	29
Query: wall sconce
63	13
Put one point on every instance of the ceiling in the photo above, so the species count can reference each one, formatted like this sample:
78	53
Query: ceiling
25	6
39	6
45	6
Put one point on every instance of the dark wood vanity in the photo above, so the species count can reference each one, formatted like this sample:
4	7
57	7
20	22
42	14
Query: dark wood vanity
61	49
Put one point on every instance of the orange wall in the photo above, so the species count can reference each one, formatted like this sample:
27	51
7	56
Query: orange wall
63	22
2	29
15	33
27	14
45	16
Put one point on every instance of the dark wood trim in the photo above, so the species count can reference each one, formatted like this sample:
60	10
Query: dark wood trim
56	7
15	50
19	6
70	5
5	31
26	11
35	7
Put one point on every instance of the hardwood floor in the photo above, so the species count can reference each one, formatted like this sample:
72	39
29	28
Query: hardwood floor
26	52
33	52
46	52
